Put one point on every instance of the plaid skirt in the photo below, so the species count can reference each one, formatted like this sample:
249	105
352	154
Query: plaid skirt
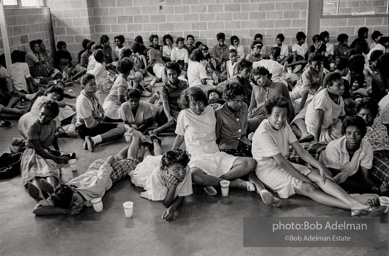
380	170
120	167
33	165
314	148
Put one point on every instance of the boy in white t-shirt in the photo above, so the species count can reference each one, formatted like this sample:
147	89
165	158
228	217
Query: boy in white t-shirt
180	54
20	73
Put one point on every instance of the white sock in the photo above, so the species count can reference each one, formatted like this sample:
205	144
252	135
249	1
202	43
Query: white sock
97	139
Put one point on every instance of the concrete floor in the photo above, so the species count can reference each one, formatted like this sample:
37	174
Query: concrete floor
205	226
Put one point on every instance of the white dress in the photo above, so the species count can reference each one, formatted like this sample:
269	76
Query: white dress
268	142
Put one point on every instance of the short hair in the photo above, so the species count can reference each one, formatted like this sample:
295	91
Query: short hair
375	35
362	31
60	44
136	48
133	93
89	45
85	43
330	78
375	55
99	56
244	64
342	63
300	35
139	39
324	34
180	39
316	38
383	40
165	37
103	39
192	94
98	47
232	51
254	43
278	101
232	90
204	47
342	38
32	44
356	121
152	36
39	41
63	196
124	66
18	56
86	78
215	91
190	36
198	44
258	35
233	38
56	89
52	106
120	38
125	53
197	55
263	71
368	103
276	51
175	156
220	36
316	57
173	65
382	66
281	37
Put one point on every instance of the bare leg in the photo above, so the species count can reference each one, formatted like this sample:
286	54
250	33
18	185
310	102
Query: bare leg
266	196
116	132
133	148
335	191
157	148
241	166
201	178
53	181
161	128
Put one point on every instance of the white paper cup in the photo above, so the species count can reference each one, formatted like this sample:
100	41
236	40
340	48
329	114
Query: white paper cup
225	185
73	165
128	136
384	200
97	204
128	209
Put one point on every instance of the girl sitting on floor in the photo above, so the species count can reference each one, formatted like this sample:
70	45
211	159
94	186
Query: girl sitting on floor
196	126
138	114
270	149
38	160
377	136
90	117
350	158
54	93
118	92
103	83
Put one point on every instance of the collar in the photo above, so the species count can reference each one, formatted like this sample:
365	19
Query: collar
343	146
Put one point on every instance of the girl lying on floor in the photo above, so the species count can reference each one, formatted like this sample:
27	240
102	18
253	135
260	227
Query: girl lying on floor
163	177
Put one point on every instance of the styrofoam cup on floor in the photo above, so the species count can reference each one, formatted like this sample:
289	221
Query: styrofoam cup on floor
97	204
128	209
73	165
128	136
225	185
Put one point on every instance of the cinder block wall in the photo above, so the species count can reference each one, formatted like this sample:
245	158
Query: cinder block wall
70	23
201	18
26	24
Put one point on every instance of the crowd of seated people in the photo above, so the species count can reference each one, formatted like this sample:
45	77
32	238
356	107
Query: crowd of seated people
311	121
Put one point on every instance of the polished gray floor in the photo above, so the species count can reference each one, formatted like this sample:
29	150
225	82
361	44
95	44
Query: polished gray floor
205	226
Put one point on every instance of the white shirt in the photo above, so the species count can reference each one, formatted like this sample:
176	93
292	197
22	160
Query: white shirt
179	54
198	131
100	73
19	72
239	50
284	51
300	49
195	73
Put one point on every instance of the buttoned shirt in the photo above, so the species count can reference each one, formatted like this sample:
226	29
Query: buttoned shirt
231	127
